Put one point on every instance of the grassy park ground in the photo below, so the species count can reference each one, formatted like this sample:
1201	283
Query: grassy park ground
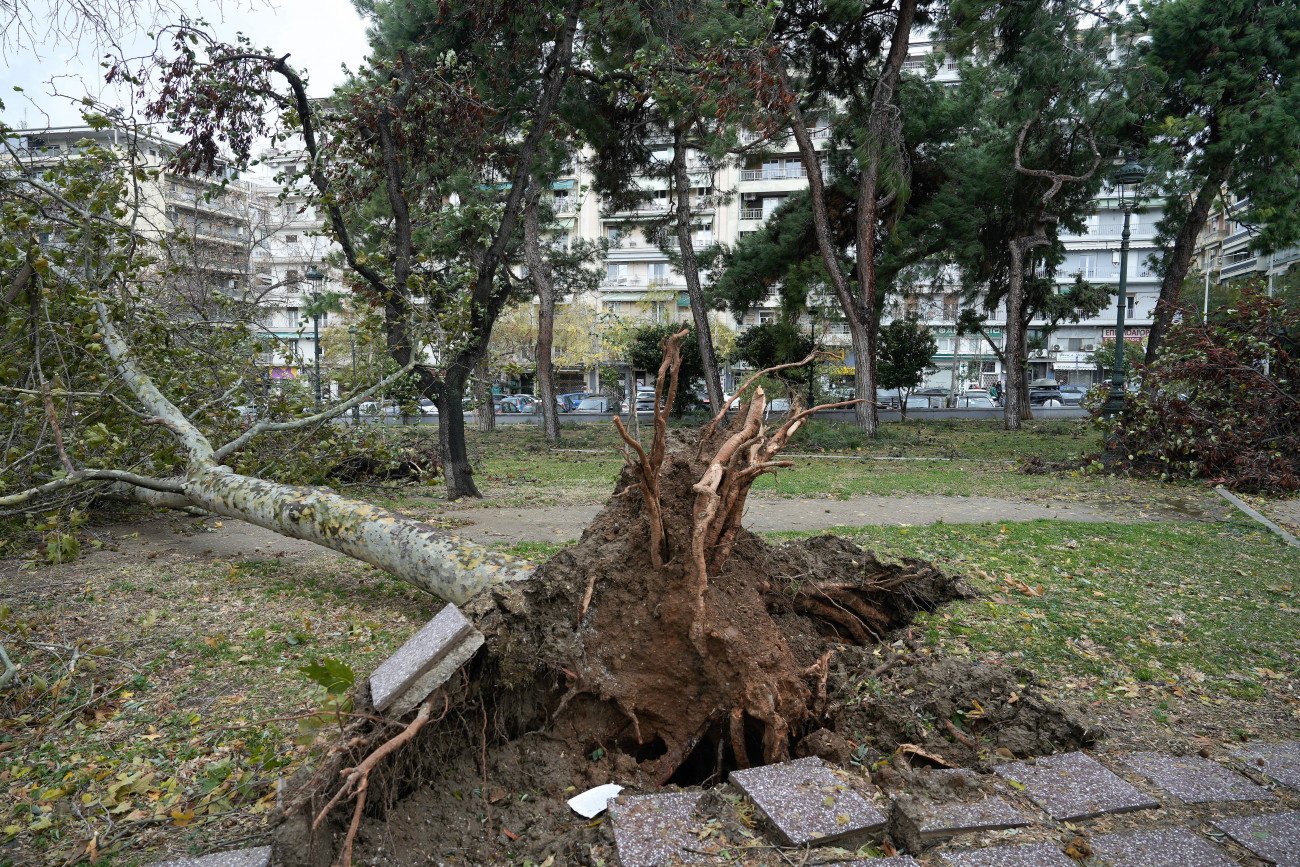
161	665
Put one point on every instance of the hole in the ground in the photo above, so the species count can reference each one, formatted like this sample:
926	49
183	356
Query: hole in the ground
648	752
701	764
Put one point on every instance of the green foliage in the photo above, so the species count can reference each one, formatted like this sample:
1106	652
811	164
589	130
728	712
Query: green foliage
773	343
903	352
336	677
1222	402
646	352
1104	357
1218	88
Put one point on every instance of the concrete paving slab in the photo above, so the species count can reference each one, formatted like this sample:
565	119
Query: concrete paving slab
1274	838
1171	847
259	857
1194	779
1279	761
895	861
1035	855
935	820
421	653
1075	786
653	830
807	803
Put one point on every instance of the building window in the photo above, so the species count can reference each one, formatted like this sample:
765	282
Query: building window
291	239
1088	265
766	317
1074	344
659	272
293	316
1132	306
950	308
291	276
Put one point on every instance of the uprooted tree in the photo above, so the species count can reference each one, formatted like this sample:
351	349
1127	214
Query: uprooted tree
668	637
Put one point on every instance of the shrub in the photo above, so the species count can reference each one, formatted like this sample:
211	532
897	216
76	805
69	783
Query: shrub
1222	401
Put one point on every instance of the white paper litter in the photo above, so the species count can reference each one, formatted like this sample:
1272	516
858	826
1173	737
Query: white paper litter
593	802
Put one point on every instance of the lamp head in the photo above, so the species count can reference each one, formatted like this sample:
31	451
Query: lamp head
315	276
1127	180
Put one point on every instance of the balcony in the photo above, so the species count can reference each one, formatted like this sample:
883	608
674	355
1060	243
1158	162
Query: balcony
773	174
751	213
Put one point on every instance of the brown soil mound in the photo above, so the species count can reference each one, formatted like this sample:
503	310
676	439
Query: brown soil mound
670	657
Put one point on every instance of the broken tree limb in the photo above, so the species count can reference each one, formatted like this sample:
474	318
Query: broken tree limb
427	557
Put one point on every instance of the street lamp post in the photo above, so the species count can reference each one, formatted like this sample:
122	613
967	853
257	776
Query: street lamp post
1127	180
352	337
316	278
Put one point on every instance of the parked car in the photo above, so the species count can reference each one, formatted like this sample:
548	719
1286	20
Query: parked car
777	405
428	407
1046	396
598	404
975	401
645	400
1072	395
572	399
514	405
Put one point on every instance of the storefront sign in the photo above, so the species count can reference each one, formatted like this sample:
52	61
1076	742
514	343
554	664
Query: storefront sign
1131	335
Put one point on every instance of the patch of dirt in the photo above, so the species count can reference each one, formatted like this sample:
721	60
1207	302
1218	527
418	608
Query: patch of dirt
960	713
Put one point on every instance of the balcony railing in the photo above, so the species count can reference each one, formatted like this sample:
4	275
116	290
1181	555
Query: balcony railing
773	174
751	213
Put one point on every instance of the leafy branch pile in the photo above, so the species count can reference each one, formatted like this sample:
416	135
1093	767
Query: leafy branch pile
1222	401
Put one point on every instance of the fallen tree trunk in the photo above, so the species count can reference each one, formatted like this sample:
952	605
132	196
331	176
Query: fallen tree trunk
419	553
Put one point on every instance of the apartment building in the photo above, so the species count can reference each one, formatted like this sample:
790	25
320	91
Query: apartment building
292	245
1223	250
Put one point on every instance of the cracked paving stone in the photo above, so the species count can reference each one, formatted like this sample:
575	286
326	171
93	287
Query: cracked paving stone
1279	761
442	635
934	821
1171	847
1075	786
1034	855
807	803
1193	779
259	857
653	830
1274	838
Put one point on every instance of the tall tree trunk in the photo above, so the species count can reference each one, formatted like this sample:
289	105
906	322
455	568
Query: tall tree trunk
860	310
486	414
864	368
1015	337
1180	260
541	276
457	473
691	271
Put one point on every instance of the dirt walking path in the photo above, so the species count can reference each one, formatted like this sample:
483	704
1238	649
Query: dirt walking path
772	515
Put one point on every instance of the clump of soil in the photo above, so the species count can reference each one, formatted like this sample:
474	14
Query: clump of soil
668	646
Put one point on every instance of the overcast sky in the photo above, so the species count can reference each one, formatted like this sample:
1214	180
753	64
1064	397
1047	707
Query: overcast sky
321	35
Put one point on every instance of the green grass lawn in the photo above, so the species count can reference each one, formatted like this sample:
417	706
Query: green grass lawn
514	466
1209	609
